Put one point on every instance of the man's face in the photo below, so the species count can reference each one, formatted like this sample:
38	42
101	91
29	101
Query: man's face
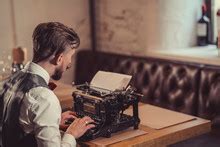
64	64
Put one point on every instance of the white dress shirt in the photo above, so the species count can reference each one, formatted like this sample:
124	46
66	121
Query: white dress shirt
41	113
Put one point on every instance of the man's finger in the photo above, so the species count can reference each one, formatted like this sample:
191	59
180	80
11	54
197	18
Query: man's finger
70	117
71	112
86	118
90	126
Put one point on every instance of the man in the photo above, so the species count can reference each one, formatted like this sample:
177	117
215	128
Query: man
31	113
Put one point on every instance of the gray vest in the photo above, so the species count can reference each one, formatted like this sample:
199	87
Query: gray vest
11	96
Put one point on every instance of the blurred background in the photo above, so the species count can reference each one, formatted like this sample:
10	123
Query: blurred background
132	27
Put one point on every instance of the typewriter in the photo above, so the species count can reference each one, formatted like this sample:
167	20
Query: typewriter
106	108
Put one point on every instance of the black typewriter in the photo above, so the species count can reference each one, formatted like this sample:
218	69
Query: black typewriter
106	109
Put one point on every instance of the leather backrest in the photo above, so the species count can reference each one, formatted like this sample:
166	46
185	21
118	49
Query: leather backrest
209	94
169	84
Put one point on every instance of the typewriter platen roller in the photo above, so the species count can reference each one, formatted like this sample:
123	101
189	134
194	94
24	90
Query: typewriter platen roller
106	109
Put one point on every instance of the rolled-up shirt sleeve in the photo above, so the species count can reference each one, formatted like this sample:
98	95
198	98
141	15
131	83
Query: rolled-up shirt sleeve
44	114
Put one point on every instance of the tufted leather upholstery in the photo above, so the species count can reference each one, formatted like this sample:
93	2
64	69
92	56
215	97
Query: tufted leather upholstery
209	95
164	83
168	84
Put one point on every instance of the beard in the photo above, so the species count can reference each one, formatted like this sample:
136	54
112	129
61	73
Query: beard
57	74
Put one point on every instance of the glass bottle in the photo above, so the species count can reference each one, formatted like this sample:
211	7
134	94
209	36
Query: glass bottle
203	28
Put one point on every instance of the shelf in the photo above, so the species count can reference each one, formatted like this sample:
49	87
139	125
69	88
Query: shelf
205	54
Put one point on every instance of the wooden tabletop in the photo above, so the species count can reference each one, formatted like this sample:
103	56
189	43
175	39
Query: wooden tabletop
166	136
155	137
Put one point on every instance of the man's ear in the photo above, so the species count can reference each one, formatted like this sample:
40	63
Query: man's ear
57	59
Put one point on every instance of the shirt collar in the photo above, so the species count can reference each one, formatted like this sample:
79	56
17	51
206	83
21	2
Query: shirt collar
34	68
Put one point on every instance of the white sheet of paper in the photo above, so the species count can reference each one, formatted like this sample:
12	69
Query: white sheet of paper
110	81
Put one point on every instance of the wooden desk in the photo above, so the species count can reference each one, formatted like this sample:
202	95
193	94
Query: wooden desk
154	138
166	136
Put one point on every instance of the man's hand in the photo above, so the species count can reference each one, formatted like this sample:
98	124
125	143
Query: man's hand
66	116
80	126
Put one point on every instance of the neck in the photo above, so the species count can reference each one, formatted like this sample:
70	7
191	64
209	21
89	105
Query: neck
47	66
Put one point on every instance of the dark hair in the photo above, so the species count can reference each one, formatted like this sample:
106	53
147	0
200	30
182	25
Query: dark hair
52	38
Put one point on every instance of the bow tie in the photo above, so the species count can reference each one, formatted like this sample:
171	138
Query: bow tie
52	85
